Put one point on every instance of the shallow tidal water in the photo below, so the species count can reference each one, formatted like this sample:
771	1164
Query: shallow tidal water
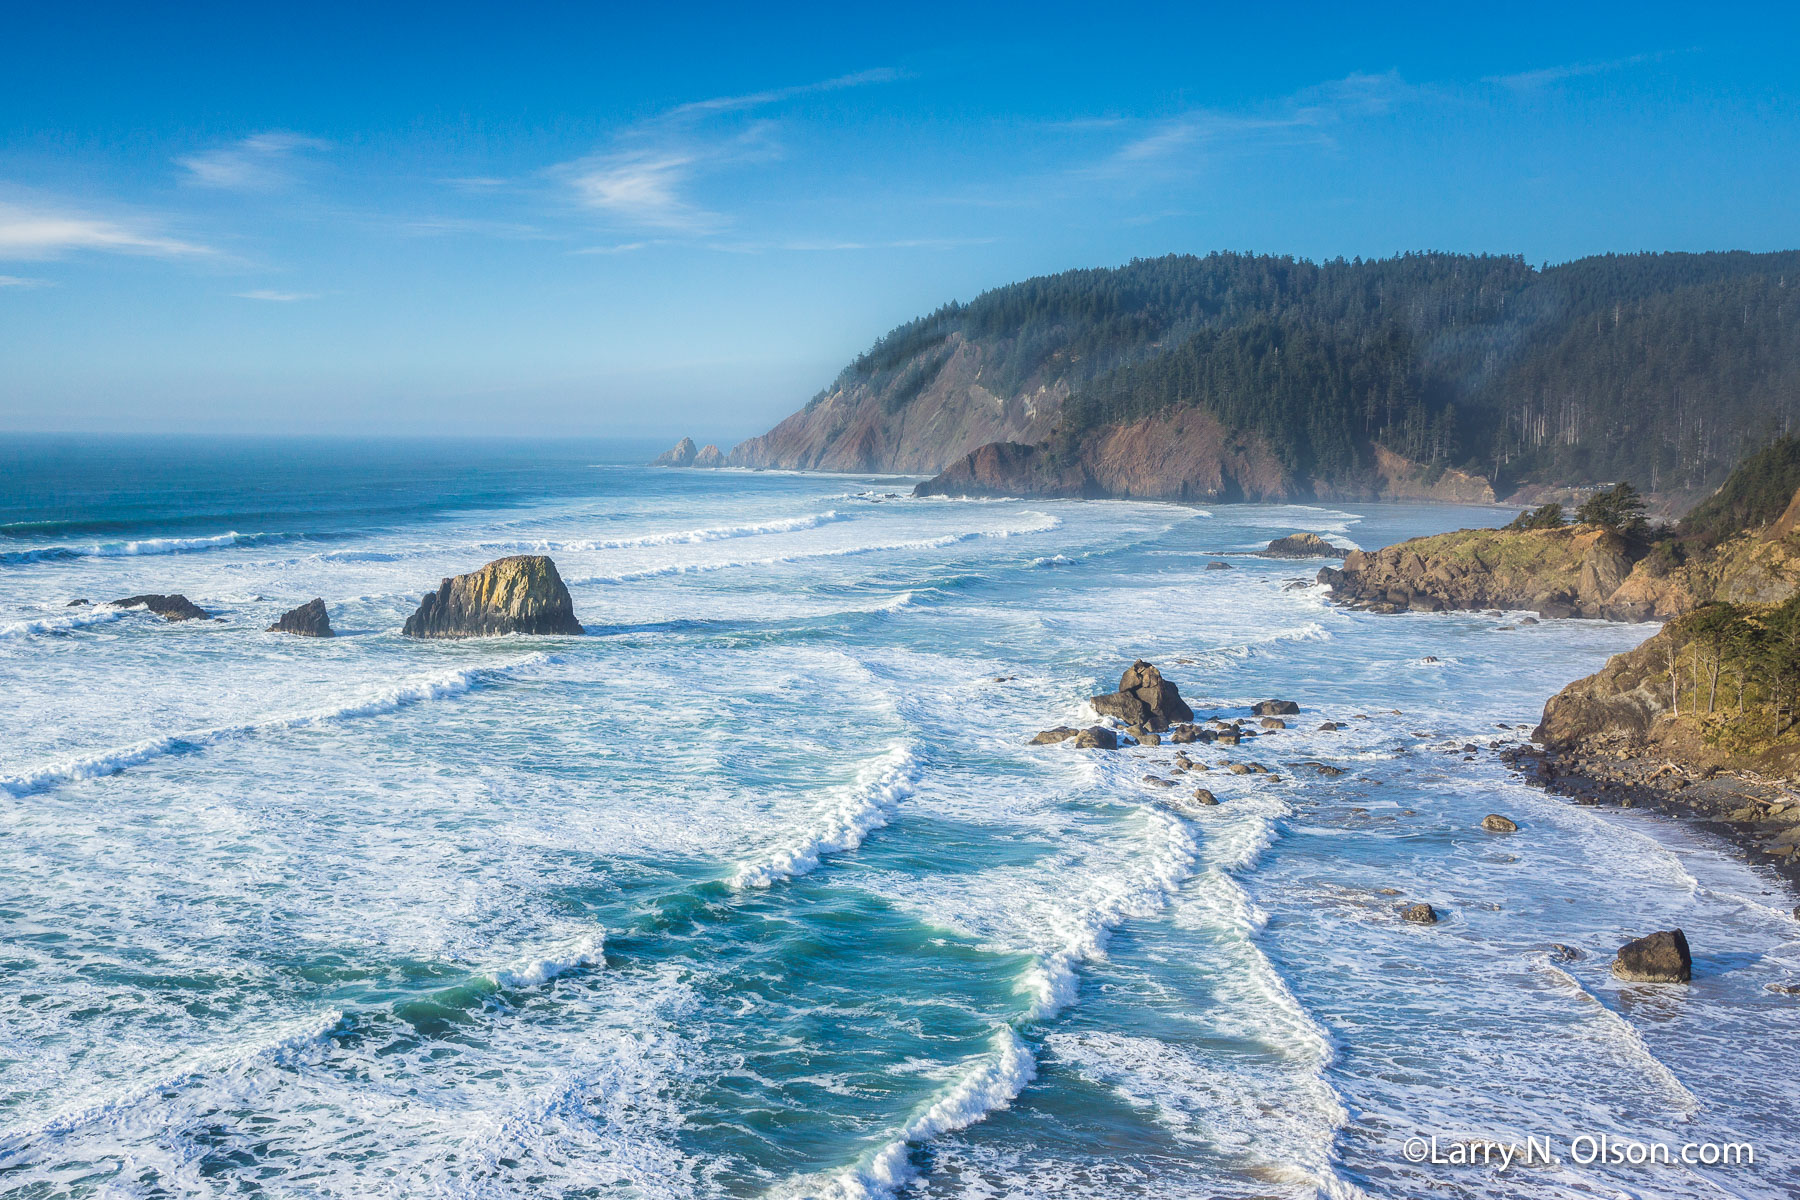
758	890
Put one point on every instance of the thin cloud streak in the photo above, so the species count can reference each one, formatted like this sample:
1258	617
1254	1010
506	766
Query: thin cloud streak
1306	117
36	233
20	281
1531	81
261	162
276	297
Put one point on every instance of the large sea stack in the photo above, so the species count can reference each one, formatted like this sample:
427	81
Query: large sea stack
1144	698
309	620
521	594
682	454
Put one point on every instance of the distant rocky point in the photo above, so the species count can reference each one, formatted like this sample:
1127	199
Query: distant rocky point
172	608
309	620
520	594
683	454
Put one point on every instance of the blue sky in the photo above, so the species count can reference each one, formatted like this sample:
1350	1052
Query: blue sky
594	219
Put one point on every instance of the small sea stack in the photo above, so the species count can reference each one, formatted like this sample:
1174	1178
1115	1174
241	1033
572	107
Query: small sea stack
309	620
1660	957
710	456
170	608
1302	545
520	594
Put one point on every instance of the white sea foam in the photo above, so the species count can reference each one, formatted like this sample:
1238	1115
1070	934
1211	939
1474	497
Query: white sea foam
60	624
992	1083
680	537
134	548
585	952
366	703
843	822
1052	981
943	541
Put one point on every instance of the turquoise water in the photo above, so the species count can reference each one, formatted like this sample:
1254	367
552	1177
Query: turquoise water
757	889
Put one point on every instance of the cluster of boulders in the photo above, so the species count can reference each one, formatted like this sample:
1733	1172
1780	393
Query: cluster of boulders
520	594
1147	707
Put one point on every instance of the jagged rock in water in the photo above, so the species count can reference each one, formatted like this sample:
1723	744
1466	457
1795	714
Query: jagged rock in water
1660	957
1420	914
709	456
1495	823
76	603
1273	723
309	620
172	608
1097	737
1051	737
682	454
521	594
1144	698
1302	545
1202	796
1216	565
1275	708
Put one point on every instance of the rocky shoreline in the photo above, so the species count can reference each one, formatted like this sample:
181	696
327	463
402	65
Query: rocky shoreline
1760	817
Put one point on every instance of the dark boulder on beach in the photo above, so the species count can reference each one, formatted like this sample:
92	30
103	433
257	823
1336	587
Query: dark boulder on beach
520	594
171	608
309	620
1302	545
1275	708
1144	698
1660	957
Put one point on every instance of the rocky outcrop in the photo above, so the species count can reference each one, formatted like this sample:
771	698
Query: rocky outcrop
682	454
1571	571
1495	823
918	417
1144	698
1623	699
1302	545
1577	570
309	620
1184	456
171	608
521	594
709	456
1420	914
1660	957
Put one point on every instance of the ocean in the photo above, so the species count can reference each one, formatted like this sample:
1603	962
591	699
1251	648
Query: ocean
758	890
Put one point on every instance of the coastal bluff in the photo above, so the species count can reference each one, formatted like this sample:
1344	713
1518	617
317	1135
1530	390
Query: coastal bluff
520	594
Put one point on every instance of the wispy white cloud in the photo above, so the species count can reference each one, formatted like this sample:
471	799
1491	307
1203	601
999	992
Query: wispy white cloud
1306	117
648	178
1531	81
720	104
621	248
21	281
39	231
276	297
262	162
